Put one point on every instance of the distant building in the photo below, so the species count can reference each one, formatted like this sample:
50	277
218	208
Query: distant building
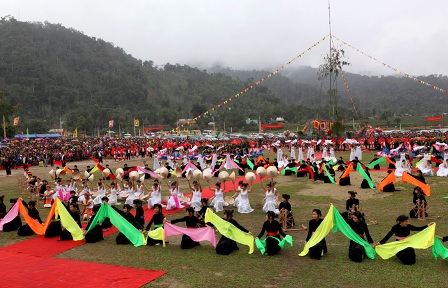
251	121
184	121
280	120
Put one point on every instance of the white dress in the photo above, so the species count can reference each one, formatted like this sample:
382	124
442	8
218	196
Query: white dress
156	198
358	153
113	197
139	192
332	153
400	168
131	196
270	204
443	170
101	194
196	200
218	202
243	203
300	157
426	169
324	154
174	200
352	154
237	199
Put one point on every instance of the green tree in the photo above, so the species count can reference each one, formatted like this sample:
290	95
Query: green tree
6	111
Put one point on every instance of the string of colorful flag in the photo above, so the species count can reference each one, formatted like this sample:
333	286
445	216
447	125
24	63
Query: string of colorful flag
393	68
250	87
349	92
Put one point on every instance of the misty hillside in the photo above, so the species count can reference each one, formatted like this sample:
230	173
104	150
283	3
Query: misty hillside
59	74
56	73
372	95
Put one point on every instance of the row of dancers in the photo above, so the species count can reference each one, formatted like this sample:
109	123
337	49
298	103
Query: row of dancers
271	227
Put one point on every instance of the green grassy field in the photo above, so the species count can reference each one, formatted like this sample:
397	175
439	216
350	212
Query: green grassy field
201	266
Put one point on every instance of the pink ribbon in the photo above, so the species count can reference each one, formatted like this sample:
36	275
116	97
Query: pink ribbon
196	234
11	215
152	174
176	201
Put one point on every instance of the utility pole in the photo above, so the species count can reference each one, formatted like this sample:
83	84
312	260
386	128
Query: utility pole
331	98
4	127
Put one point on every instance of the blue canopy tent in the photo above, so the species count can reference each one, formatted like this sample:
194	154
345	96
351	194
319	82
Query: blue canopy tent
32	136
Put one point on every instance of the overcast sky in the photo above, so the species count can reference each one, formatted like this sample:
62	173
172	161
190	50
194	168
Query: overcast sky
411	35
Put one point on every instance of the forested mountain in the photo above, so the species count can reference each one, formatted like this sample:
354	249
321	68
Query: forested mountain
373	96
59	74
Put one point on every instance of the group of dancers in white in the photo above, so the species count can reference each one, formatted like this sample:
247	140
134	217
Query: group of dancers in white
424	165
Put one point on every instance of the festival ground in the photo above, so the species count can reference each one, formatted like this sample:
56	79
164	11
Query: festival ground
201	265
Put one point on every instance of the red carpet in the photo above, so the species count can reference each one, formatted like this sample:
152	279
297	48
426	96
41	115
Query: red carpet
31	271
31	262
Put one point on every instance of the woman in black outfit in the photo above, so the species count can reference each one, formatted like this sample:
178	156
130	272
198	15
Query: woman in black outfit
286	206
16	223
157	219
402	230
25	230
364	183
273	229
96	234
356	252
2	207
191	221
320	248
126	214
225	245
139	213
74	212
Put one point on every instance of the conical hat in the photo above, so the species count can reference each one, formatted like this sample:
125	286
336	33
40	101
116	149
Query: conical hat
91	177
86	174
232	176
106	173
142	178
75	174
197	174
261	172
250	177
207	175
189	174
178	172
223	175
51	173
60	173
133	175
272	171
119	171
164	172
